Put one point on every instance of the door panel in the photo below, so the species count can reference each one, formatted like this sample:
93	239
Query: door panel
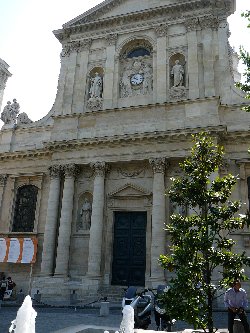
129	249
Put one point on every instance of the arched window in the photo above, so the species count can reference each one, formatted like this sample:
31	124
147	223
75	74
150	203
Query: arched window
138	52
25	209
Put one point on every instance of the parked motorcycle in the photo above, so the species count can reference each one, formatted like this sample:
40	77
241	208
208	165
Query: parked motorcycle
162	318
142	304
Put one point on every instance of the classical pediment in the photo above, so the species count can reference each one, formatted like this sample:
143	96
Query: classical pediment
112	8
129	190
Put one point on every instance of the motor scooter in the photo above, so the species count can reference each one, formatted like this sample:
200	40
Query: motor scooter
162	318
142	304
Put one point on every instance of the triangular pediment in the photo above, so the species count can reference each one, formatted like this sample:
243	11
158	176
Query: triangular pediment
129	190
115	8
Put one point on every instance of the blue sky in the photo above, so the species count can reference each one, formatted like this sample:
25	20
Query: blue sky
29	47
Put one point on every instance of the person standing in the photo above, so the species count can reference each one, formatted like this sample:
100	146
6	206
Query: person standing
235	300
3	287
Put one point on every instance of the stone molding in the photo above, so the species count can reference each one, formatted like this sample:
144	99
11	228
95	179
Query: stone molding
3	179
209	22
160	14
55	171
158	164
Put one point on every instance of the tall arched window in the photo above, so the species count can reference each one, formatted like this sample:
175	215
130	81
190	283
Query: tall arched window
25	209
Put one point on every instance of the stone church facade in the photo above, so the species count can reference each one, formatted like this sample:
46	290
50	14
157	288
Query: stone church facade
137	79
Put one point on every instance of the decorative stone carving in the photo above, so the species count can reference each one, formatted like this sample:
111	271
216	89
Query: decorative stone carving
99	168
23	119
192	24
95	104
161	30
158	164
209	22
130	173
55	171
76	46
85	215
178	74
3	179
70	170
111	39
136	77
178	93
10	112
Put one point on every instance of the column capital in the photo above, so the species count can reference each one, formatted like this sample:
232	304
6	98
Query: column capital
158	164
161	30
192	24
55	171
3	179
100	168
111	39
70	170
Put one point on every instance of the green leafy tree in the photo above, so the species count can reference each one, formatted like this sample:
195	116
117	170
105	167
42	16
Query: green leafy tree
200	241
245	57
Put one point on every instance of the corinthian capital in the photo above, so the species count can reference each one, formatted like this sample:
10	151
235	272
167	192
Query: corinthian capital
158	164
111	39
3	179
55	171
161	30
100	168
70	170
192	24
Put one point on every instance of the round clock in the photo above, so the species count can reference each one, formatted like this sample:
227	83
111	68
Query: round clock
136	79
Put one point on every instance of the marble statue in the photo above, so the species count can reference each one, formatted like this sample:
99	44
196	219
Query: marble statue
147	82
10	112
86	214
125	83
23	119
96	86
177	72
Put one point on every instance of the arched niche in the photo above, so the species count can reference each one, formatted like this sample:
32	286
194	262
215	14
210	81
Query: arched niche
136	68
177	65
95	88
84	211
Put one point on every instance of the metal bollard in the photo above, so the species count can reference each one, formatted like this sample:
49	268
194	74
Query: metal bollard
238	327
104	309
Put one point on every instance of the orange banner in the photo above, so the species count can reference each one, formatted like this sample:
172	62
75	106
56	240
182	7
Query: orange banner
18	250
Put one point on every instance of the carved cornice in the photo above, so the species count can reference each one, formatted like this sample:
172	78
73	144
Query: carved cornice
169	13
209	22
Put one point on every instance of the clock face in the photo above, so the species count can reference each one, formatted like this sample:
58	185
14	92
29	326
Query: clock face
136	79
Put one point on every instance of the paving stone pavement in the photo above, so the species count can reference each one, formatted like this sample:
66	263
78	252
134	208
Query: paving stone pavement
51	320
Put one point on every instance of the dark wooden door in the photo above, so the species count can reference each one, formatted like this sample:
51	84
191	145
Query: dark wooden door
129	249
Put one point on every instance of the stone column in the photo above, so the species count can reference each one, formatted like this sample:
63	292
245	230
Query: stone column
3	179
208	24
48	254
80	82
95	240
109	72
161	69
63	247
158	219
192	65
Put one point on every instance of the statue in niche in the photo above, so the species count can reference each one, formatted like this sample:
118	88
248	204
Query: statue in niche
125	82
96	86
10	112
178	73
85	214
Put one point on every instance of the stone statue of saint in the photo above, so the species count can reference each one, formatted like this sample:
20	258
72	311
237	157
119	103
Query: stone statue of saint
147	82
96	86
177	72
85	214
10	112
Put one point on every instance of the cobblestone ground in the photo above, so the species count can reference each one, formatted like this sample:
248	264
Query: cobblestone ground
50	320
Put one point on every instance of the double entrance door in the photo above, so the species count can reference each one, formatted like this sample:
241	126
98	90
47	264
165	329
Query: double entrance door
129	249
